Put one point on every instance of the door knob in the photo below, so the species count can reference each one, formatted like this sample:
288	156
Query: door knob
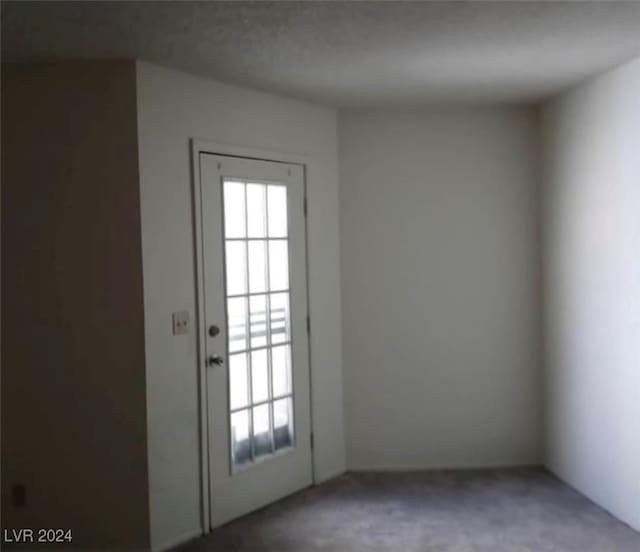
216	360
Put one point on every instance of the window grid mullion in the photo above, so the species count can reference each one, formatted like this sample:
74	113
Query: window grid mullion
248	322
260	348
264	238
260	403
255	293
268	318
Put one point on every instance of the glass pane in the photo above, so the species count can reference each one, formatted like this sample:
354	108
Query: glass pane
280	319
278	265
238	381
259	376
282	423
281	370
261	430
258	310
277	211
236	268
234	226
240	442
237	320
256	208
257	267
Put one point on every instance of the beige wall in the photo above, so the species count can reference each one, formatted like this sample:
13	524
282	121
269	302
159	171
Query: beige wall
592	289
440	277
174	107
73	388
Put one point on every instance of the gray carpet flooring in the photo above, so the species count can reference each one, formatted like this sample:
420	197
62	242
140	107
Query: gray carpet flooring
506	510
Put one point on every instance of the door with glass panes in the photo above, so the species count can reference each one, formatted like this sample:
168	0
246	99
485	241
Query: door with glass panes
255	334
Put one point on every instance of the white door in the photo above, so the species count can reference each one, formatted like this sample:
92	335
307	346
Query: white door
255	334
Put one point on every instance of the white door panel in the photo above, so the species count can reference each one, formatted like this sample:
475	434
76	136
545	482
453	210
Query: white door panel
255	294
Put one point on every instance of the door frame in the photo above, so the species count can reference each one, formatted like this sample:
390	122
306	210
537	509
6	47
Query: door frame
199	146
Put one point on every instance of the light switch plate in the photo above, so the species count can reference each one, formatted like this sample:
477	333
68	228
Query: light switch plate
180	321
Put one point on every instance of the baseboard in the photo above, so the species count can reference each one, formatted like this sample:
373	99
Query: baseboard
168	545
318	479
440	467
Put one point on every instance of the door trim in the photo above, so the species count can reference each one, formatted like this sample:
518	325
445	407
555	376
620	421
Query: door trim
199	146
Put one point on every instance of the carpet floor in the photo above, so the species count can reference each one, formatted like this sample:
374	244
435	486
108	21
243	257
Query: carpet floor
501	510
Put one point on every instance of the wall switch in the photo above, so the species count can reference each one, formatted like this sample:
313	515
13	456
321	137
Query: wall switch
180	322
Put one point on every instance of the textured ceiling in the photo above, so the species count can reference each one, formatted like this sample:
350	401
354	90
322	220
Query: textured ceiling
344	53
